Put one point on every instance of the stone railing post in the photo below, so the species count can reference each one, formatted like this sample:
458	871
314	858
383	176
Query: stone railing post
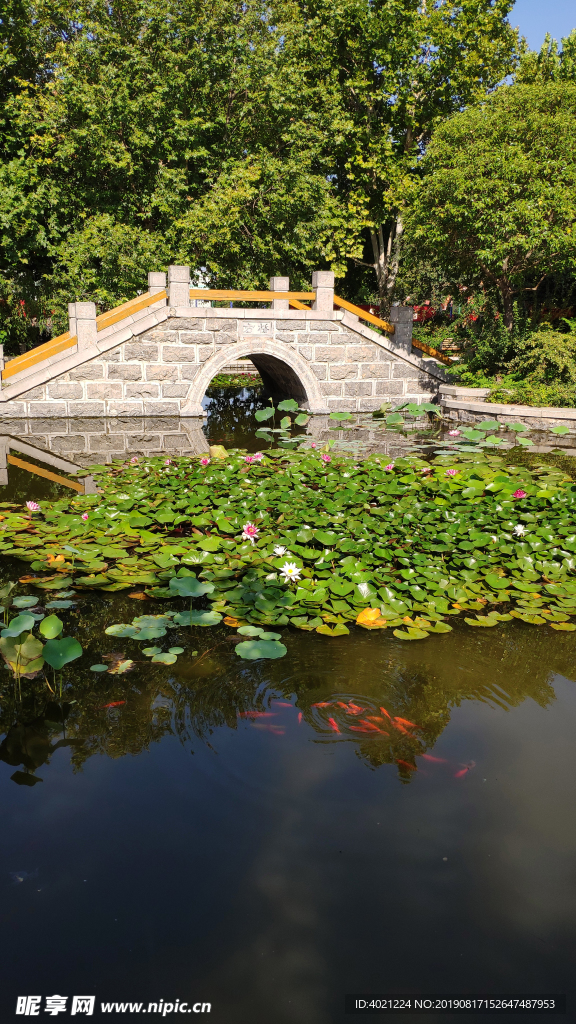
86	327
156	282
323	285
178	286
280	284
72	318
403	318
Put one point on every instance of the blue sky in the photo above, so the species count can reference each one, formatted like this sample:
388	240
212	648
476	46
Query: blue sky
535	18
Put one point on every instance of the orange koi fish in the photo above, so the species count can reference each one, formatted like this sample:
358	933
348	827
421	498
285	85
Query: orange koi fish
436	760
333	725
401	728
299	718
362	728
369	725
465	770
323	704
406	722
282	703
355	708
112	704
405	764
384	712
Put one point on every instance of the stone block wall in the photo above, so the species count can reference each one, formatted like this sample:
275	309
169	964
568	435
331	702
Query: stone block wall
327	361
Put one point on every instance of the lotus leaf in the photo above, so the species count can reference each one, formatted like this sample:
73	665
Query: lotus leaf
164	658
25	602
175	650
560	429
288	405
150	633
197	618
18	625
251	650
250	631
189	586
51	627
121	629
263	414
60	652
98	668
151	651
152	621
61	604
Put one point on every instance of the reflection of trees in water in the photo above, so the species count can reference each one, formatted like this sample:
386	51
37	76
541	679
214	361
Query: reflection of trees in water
231	414
199	696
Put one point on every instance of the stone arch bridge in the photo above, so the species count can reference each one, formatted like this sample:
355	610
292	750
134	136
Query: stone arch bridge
156	355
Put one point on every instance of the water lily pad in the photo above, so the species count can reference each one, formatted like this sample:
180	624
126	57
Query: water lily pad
489	425
251	650
121	629
270	636
338	630
250	630
51	627
164	658
175	650
64	605
189	586
18	625
25	602
60	652
151	651
566	627
152	621
412	633
98	668
150	633
197	618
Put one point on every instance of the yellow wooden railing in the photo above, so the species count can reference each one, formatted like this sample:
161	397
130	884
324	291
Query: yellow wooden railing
67	340
431	352
38	471
344	304
113	316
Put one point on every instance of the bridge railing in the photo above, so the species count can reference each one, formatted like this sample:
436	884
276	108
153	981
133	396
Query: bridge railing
157	293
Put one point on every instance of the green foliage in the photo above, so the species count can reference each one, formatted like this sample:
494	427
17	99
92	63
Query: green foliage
496	206
217	135
549	64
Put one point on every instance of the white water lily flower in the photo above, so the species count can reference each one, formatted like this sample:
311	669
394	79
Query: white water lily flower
519	530
279	550
290	571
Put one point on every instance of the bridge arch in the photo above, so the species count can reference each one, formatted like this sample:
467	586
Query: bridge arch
280	366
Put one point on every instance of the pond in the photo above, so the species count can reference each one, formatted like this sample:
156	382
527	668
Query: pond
241	834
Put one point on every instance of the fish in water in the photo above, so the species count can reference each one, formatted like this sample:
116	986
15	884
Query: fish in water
405	721
282	703
333	725
464	770
406	764
112	704
435	760
323	704
299	718
384	712
23	876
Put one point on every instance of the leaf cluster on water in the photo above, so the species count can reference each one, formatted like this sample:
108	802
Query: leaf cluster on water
412	541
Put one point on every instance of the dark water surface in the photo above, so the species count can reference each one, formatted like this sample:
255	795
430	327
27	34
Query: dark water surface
179	848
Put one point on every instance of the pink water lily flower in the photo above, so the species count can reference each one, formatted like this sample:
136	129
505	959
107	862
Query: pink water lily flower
389	467
453	433
257	457
250	532
205	461
133	460
520	494
451	472
313	445
85	516
168	462
32	506
326	458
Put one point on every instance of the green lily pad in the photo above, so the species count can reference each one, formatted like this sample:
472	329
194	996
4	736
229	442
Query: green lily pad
164	658
64	605
98	668
338	630
18	625
60	652
412	633
197	618
270	636
175	650
189	586
121	629
250	630
251	650
151	651
25	602
51	627
150	633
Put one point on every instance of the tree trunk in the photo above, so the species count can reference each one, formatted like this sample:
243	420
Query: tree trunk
386	252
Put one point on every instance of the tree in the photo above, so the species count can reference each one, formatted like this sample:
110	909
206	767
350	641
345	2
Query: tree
496	208
549	64
246	138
